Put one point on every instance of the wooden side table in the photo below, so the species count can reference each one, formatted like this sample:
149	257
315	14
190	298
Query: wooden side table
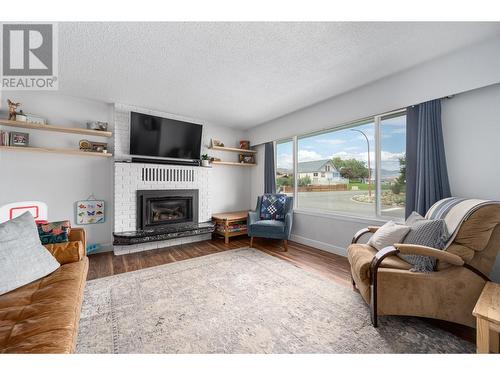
230	224
487	313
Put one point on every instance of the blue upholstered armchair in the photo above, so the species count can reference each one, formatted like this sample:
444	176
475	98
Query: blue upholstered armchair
272	218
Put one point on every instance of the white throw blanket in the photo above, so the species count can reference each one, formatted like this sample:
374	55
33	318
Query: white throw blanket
454	211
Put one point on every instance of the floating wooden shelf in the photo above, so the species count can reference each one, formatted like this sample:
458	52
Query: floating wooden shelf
66	151
233	163
54	128
234	149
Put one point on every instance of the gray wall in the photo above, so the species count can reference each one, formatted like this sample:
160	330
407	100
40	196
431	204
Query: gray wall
471	128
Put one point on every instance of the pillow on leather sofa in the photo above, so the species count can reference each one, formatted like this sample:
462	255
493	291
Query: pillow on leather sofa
23	259
55	232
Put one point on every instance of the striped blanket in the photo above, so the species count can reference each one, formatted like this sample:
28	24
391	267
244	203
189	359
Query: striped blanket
454	211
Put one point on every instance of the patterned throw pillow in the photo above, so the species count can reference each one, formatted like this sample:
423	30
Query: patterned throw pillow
431	233
273	207
55	232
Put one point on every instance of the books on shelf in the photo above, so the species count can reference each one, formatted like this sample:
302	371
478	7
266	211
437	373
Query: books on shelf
231	227
4	138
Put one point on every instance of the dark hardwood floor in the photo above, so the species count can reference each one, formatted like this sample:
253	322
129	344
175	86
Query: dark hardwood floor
328	265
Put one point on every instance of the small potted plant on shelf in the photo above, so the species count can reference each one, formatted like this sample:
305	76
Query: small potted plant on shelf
205	160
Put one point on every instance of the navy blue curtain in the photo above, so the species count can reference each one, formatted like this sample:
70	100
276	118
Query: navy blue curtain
426	171
269	173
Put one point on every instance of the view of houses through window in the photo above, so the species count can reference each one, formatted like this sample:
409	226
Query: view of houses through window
337	169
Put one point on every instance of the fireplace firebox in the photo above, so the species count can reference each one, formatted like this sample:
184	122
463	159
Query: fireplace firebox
159	209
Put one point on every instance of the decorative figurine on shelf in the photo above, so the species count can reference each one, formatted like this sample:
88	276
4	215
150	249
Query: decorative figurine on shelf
12	109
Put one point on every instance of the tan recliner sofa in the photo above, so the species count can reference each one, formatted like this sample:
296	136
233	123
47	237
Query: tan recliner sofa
43	316
450	293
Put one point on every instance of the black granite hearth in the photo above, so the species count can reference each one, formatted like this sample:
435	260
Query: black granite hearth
161	234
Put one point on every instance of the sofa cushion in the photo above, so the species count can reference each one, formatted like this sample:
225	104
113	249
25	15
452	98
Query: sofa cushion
360	257
43	316
23	259
268	227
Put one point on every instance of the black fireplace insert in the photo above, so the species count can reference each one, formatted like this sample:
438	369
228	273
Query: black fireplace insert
166	208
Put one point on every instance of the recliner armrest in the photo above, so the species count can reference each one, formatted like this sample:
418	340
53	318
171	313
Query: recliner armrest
362	232
431	252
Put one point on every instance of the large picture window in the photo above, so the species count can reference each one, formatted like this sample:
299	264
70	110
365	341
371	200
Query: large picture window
358	169
333	170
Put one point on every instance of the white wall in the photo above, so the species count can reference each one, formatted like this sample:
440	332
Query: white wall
56	179
60	180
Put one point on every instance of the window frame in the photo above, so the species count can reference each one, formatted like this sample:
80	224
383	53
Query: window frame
275	149
376	120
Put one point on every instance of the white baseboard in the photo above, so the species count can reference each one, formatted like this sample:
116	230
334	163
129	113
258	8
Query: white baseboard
339	250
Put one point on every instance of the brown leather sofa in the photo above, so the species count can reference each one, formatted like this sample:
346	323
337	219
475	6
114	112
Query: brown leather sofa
43	316
449	293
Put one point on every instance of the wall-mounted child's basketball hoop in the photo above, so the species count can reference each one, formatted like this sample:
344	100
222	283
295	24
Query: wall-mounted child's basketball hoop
38	209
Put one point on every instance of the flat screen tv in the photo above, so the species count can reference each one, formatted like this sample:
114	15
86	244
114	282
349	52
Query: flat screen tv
159	137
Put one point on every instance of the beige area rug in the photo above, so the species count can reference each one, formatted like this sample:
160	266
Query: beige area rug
242	301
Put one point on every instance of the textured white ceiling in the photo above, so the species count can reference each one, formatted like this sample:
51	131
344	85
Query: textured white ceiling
243	74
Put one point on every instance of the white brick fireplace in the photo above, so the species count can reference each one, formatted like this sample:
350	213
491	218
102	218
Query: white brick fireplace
130	177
